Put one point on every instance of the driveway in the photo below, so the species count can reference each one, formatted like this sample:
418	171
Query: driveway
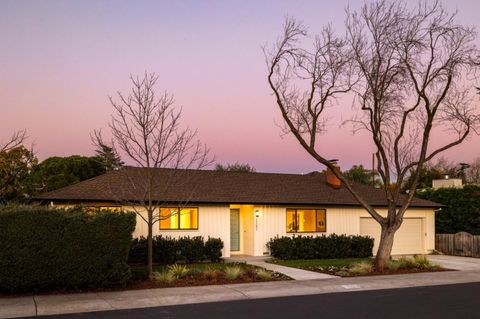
456	262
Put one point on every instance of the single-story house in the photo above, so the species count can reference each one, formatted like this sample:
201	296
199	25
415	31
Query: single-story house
246	210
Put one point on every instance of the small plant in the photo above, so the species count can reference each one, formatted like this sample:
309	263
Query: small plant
264	274
233	272
210	273
342	273
251	272
407	262
361	268
165	277
195	272
393	265
422	261
178	271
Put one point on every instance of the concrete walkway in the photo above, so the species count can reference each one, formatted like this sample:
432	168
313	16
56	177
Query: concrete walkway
131	299
294	273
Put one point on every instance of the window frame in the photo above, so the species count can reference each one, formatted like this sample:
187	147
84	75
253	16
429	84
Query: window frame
295	226
178	218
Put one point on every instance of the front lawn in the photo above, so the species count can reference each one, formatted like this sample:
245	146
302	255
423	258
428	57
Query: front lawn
311	264
349	267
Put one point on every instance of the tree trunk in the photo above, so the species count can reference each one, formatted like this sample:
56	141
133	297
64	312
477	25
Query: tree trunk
384	247
150	250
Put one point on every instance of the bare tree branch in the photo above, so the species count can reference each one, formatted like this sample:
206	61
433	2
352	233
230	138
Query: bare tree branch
17	139
146	127
408	68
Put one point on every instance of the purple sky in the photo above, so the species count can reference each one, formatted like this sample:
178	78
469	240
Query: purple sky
59	61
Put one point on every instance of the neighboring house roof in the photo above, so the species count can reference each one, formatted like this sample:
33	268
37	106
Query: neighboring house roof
206	186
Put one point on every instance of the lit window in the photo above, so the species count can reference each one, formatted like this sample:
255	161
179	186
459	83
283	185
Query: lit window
306	220
178	218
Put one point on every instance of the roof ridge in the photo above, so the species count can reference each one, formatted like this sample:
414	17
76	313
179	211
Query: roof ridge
224	172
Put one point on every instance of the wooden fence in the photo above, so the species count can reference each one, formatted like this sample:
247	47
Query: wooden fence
459	244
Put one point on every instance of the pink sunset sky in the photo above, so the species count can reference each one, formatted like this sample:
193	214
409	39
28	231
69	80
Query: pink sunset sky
60	60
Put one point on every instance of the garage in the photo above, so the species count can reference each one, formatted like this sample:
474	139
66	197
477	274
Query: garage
409	238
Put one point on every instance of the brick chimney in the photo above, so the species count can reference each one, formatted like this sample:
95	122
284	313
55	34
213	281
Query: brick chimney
333	180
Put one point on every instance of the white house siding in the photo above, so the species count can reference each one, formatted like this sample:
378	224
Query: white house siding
213	221
258	224
272	222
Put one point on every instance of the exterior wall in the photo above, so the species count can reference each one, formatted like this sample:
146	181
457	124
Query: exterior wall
272	222
259	224
445	183
213	221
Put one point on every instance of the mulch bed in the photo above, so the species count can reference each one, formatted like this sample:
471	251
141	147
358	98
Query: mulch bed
191	281
188	281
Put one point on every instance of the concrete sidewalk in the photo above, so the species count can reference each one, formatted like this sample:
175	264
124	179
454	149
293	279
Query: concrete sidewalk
294	273
89	302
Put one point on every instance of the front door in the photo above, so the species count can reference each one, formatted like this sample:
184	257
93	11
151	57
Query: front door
235	229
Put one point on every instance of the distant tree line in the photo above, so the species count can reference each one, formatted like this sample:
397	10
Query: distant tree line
23	176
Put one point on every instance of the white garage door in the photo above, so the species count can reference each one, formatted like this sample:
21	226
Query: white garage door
409	238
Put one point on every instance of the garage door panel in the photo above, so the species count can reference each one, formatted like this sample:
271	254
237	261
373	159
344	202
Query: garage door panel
409	238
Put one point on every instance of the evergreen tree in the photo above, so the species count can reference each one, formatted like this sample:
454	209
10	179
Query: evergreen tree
108	157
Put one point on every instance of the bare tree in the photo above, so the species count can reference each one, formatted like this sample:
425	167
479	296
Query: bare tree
17	138
412	67
146	127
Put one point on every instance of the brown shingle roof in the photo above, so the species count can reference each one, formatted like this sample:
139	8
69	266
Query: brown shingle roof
204	186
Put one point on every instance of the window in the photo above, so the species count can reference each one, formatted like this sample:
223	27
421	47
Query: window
178	218
306	220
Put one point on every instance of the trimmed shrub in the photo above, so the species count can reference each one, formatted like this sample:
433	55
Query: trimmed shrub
167	250
164	250
321	247
138	251
190	249
59	249
213	249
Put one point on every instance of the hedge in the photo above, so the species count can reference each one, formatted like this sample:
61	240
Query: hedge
168	250
59	249
321	247
462	212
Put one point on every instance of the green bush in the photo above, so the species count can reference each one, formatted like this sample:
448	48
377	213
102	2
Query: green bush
59	249
190	249
213	249
138	251
164	250
321	247
462	212
167	250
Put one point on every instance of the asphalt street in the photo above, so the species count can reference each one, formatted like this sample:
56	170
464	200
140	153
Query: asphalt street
451	301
